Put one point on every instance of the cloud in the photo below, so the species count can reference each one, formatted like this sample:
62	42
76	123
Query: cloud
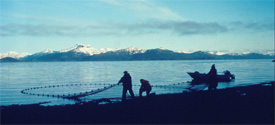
145	9
36	30
113	28
190	27
267	25
156	19
41	19
177	27
112	2
259	26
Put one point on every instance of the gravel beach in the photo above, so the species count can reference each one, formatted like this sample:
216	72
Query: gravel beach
252	104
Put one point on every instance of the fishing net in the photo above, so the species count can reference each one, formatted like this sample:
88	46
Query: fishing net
88	92
67	90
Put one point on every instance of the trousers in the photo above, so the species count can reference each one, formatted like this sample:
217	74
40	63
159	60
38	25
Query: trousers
124	91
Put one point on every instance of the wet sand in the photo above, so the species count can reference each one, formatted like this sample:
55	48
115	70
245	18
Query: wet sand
239	105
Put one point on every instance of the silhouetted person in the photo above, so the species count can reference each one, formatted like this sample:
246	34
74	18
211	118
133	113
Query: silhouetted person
127	85
212	78
145	86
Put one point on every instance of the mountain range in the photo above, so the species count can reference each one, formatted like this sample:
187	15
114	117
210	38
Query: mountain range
82	52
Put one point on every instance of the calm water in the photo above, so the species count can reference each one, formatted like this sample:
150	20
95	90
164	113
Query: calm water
15	77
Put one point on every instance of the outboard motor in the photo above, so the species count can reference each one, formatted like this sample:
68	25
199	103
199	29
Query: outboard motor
232	76
227	73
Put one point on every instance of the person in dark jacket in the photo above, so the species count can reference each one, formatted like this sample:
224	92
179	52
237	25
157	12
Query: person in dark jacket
212	78
145	86
127	85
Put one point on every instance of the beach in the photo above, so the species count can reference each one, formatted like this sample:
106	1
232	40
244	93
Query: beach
252	104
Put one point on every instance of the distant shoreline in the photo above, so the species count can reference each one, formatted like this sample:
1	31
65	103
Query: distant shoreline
253	104
13	60
77	54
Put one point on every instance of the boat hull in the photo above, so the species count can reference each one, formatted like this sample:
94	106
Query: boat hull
202	77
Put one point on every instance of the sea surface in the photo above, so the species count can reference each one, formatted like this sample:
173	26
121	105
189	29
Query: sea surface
75	77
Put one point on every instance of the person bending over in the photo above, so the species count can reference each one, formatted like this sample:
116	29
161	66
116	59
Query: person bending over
145	86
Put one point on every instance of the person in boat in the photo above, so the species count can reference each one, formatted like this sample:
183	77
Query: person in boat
127	85
145	86
212	78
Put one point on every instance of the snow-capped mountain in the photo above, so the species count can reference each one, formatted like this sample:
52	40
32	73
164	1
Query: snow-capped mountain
226	53
81	52
216	53
14	54
47	51
242	52
86	49
133	50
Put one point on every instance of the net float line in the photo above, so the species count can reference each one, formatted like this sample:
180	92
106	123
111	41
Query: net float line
55	86
75	96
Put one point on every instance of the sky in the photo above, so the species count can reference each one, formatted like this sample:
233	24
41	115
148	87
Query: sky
179	25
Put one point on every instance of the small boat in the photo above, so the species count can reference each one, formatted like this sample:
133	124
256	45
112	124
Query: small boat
202	77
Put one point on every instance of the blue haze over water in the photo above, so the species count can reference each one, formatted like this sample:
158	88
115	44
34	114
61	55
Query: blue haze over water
15	77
